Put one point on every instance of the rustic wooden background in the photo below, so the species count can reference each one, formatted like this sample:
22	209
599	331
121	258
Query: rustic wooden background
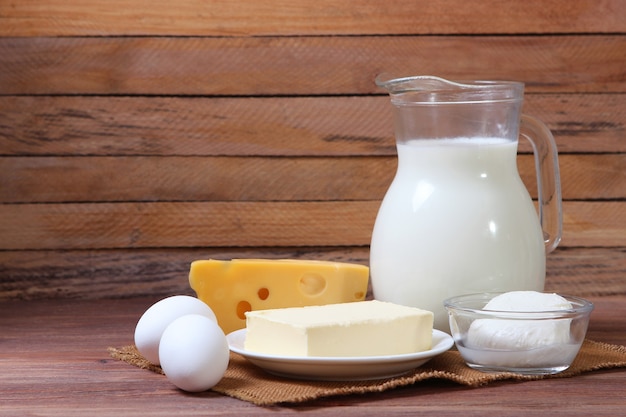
139	135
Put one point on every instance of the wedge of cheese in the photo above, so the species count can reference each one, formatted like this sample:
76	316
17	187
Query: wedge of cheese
231	288
367	328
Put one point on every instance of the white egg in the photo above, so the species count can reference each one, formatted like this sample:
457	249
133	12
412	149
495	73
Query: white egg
194	353
155	320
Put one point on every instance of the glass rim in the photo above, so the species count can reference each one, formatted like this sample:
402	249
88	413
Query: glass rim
582	306
428	89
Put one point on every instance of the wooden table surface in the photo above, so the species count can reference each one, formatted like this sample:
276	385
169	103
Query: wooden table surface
54	362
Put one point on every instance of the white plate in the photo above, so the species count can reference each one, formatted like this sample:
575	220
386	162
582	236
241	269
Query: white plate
339	368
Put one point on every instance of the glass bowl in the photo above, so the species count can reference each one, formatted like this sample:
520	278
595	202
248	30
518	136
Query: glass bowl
530	343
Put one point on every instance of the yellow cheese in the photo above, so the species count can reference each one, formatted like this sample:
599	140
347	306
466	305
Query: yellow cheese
367	328
231	288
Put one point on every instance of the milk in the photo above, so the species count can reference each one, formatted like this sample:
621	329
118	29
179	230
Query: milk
456	219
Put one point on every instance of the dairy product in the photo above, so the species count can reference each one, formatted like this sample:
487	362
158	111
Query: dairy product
231	288
367	328
519	333
457	219
527	301
519	342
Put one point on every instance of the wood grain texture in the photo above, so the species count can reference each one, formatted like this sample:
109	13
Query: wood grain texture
302	17
54	362
119	179
138	136
132	130
118	273
302	65
227	224
271	126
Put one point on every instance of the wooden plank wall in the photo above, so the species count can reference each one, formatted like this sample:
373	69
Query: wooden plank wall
137	135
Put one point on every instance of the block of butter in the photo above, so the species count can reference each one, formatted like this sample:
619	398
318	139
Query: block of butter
366	328
231	288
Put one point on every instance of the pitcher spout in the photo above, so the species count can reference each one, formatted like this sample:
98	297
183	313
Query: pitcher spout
395	84
429	89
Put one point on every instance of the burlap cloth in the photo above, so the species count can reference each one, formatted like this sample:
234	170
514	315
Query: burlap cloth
249	383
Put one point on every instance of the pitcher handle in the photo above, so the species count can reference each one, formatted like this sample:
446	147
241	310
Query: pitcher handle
548	179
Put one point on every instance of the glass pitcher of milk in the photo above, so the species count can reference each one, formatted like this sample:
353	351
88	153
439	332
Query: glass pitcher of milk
457	218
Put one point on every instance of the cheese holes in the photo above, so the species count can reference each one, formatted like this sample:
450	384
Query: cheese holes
359	295
263	293
242	307
312	284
